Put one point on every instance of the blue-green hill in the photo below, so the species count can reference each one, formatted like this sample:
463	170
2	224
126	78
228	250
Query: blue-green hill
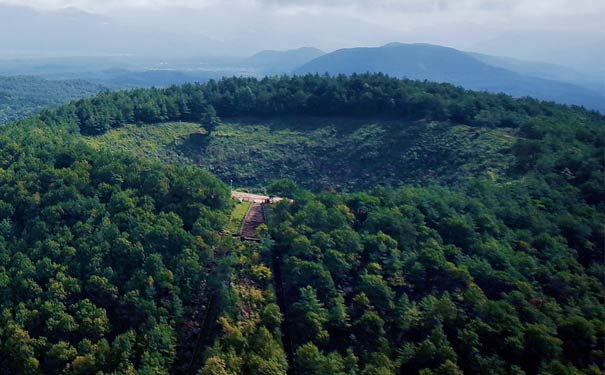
442	64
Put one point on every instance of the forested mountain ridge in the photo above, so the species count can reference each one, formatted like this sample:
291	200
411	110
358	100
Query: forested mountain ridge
357	95
111	263
443	64
23	96
404	131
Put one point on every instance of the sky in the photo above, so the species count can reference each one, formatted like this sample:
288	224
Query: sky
548	30
404	15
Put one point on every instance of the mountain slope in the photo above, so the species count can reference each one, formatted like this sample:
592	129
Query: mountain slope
22	96
111	263
340	153
580	50
322	133
545	70
442	64
118	263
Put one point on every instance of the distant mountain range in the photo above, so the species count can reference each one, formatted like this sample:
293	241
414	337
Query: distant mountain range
579	50
554	72
414	61
471	71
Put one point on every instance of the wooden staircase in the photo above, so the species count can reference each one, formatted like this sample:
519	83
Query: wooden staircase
254	217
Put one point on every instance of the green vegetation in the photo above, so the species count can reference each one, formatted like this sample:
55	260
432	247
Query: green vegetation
237	217
359	95
326	153
160	142
113	264
22	96
470	238
486	279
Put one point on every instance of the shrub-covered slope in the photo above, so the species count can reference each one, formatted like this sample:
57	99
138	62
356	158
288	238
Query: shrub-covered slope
325	153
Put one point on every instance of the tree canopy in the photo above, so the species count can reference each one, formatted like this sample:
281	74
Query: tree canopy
115	264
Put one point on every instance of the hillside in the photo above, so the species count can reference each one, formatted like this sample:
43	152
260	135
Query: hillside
442	64
22	96
438	134
325	153
112	262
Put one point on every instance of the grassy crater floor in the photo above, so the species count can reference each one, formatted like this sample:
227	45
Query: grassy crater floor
324	153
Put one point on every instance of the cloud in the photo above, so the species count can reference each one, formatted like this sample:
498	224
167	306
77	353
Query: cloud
394	14
436	6
415	6
456	22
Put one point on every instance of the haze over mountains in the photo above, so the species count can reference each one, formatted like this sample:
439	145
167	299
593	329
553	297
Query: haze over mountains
283	61
25	32
120	51
413	61
442	64
581	51
186	28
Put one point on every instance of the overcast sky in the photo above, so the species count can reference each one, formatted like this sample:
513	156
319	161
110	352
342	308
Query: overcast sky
394	14
545	26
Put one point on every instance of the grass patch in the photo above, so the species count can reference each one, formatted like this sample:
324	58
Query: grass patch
353	154
160	141
322	153
237	217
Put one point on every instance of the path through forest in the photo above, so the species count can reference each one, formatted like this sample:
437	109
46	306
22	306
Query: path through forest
254	217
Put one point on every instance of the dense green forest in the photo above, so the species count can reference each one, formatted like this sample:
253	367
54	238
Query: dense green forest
112	262
487	279
359	95
22	96
324	133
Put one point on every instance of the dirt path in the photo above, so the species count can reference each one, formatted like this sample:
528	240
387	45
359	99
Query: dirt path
253	219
